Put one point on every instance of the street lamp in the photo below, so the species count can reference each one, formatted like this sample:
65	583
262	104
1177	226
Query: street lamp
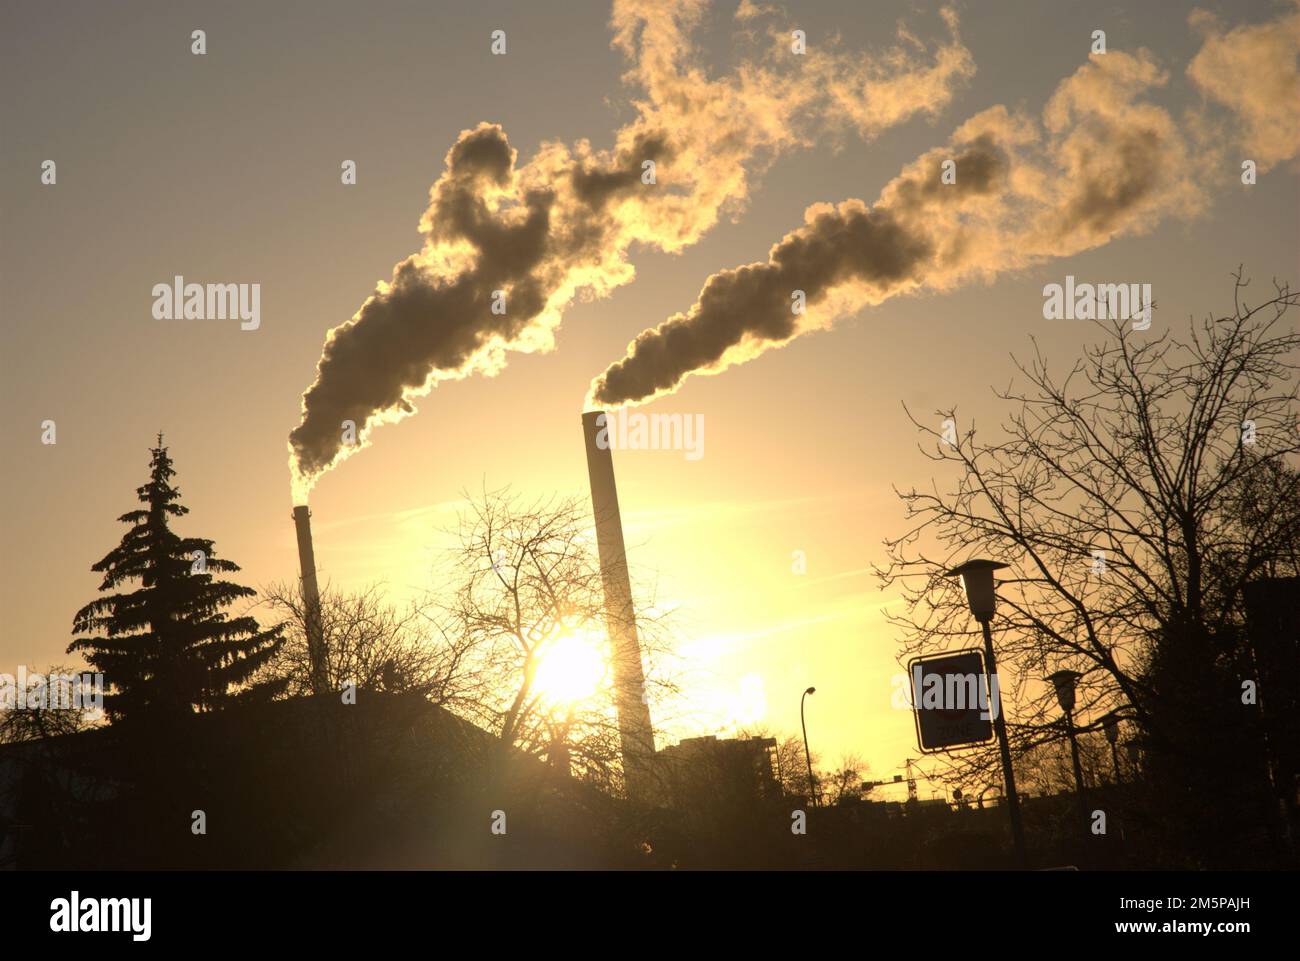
1110	725
1134	757
977	578
1064	682
812	782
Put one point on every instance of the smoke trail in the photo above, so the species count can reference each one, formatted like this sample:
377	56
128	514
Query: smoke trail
1252	71
507	246
1102	163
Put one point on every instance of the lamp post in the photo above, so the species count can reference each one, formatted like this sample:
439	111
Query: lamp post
812	782
1064	682
977	578
1134	751
1110	725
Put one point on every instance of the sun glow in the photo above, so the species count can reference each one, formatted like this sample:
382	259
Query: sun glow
573	668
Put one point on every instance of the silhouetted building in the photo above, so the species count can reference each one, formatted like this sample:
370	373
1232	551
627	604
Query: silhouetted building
738	770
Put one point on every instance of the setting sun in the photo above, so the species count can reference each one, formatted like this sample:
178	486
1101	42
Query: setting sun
687	435
573	668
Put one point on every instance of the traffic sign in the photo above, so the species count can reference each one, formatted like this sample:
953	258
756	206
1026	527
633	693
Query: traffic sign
950	700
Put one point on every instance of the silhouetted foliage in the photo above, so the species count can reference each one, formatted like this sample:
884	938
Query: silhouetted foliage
524	577
371	644
1134	499
50	709
167	647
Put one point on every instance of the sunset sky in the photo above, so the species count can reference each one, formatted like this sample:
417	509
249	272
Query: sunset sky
225	168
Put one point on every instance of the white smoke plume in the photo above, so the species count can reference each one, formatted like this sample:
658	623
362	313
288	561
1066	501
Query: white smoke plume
1101	162
1253	71
560	225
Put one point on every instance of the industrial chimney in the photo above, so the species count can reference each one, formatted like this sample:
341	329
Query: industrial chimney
635	732
311	600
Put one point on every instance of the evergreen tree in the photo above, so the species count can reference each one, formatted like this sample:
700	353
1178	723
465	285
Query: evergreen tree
167	648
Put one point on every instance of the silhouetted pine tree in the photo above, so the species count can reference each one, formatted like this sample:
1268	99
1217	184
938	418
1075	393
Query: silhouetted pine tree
167	647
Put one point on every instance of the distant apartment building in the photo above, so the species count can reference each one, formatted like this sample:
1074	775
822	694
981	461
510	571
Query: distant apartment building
727	769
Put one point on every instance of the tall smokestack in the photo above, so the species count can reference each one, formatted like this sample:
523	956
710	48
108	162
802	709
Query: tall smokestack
311	600
635	732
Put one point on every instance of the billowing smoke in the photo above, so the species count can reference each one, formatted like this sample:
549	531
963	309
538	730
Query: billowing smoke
507	246
874	252
1252	70
1100	163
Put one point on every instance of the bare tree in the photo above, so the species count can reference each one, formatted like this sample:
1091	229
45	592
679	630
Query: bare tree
1048	769
526	581
792	766
844	781
50	708
1117	493
834	785
371	644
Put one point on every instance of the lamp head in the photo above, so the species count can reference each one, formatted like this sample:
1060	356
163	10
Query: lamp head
1064	682
1110	725
977	578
